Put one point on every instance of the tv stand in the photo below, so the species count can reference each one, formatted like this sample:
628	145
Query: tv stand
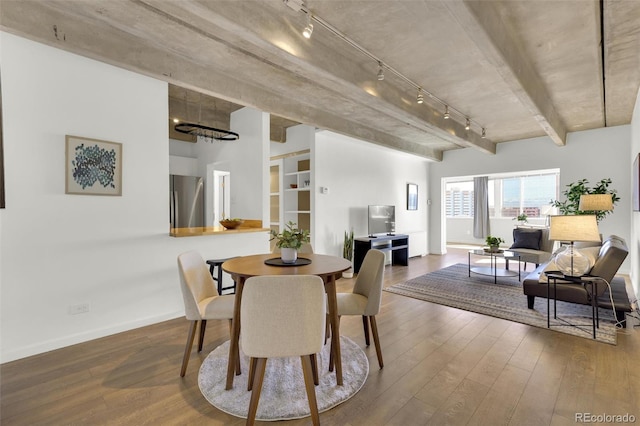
398	245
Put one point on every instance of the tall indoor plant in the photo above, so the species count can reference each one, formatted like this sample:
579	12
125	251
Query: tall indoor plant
347	252
289	241
573	192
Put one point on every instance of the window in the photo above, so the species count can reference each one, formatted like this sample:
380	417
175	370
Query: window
509	195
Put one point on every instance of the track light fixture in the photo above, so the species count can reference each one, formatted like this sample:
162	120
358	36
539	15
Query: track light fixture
380	71
484	133
309	28
301	6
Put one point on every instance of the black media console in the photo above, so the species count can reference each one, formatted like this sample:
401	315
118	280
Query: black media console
398	245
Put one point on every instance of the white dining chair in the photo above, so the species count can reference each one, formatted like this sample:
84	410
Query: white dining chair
201	300
282	316
366	296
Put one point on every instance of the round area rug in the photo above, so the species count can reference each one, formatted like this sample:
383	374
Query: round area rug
283	393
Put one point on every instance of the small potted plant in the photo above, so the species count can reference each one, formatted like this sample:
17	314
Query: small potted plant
347	252
494	243
522	218
289	241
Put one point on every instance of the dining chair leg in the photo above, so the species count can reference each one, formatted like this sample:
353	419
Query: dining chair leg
376	339
203	327
238	371
187	349
252	372
314	369
365	325
327	329
261	364
331	360
311	390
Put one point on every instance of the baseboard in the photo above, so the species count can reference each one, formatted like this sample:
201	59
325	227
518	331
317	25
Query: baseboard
74	339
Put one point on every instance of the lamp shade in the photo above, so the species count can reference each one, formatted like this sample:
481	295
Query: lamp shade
574	228
596	202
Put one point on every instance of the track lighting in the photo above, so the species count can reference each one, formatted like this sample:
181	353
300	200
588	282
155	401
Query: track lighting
300	6
309	28
380	71
484	133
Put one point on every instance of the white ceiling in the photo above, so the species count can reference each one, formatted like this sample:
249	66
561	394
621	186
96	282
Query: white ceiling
519	69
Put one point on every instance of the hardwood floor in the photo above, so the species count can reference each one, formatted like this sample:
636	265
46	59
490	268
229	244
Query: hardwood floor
442	366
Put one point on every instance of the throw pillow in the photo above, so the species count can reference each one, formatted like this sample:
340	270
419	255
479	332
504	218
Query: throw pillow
526	238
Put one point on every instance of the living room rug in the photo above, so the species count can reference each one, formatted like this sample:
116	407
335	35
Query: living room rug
283	395
453	287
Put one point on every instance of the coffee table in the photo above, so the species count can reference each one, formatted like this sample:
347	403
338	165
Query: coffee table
493	269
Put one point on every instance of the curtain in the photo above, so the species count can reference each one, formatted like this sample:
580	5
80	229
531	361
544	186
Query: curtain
481	206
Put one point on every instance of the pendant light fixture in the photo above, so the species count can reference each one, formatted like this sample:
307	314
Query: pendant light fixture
467	126
420	97
446	112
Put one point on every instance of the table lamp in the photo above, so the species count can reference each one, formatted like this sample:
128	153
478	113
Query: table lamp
573	228
596	202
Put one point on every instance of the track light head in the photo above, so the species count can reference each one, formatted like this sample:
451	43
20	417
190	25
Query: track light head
420	98
468	125
380	72
308	30
484	133
446	112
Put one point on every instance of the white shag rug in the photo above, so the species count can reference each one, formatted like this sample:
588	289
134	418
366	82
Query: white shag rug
283	395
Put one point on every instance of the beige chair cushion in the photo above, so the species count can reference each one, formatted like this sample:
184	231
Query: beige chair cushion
199	293
282	316
351	304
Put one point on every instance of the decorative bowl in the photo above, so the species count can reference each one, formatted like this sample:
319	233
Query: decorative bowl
293	185
231	223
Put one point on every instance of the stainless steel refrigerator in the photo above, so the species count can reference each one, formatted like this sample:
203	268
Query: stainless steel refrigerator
186	201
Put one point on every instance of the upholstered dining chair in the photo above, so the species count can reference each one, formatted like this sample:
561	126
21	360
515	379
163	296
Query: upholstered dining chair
201	300
365	297
282	316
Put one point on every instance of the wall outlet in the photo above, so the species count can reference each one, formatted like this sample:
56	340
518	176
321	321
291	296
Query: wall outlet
81	308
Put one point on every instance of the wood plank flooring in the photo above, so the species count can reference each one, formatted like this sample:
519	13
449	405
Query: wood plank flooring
443	366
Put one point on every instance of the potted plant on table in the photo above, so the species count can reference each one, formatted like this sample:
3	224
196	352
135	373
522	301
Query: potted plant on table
493	243
347	252
289	241
521	218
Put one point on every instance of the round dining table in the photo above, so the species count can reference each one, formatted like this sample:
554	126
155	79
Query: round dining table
329	268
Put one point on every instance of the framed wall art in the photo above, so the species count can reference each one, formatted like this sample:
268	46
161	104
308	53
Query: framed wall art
412	196
93	167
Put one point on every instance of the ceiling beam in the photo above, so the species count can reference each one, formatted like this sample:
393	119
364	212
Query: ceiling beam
484	23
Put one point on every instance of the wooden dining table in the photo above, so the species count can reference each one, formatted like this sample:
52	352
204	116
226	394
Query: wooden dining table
329	268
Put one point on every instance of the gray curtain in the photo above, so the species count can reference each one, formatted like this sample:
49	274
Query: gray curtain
481	207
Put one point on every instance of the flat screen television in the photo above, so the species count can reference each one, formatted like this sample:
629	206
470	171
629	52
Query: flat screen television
382	220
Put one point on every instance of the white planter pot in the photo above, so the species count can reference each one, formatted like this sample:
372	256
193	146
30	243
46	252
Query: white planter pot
348	273
288	255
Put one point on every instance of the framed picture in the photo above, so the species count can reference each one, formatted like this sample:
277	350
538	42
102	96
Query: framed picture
93	167
412	196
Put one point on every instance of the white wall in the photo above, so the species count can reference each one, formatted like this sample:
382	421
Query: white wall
359	174
59	250
634	241
584	156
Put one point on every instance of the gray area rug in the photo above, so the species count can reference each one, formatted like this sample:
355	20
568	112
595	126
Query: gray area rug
283	395
453	287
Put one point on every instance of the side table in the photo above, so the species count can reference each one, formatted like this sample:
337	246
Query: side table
585	280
